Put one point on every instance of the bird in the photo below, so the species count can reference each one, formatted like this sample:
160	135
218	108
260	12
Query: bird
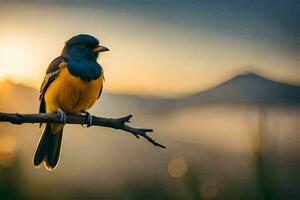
72	84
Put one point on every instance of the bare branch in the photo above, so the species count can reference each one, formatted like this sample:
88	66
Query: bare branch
116	123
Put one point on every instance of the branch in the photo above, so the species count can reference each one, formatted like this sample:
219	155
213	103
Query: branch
116	123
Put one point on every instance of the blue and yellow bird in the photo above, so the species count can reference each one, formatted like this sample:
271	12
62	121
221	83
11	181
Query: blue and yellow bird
72	84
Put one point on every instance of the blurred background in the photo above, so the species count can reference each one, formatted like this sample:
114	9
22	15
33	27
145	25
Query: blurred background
217	81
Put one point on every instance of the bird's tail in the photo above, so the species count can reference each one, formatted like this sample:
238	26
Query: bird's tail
48	149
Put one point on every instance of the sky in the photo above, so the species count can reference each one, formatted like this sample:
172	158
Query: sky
165	48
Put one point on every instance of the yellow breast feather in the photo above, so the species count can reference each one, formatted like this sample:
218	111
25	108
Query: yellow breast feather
70	93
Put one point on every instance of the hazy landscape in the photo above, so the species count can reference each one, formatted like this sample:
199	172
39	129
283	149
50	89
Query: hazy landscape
218	81
238	140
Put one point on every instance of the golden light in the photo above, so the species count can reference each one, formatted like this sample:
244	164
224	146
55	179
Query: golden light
24	55
209	190
177	167
14	56
7	150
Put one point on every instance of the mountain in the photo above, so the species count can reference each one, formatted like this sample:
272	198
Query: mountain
18	98
248	88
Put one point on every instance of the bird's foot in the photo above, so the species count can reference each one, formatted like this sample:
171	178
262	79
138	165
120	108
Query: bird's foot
88	119
62	115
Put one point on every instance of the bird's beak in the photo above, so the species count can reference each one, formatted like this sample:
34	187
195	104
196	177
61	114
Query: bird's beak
100	49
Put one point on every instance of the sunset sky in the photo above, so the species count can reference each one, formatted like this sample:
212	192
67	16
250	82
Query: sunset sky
161	48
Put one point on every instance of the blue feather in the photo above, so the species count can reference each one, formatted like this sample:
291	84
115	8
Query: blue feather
83	38
86	70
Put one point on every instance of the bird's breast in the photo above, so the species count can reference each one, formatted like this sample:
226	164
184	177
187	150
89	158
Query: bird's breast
71	93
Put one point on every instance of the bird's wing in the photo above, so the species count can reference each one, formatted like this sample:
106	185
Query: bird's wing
51	74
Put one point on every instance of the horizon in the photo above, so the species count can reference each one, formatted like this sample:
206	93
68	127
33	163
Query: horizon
170	97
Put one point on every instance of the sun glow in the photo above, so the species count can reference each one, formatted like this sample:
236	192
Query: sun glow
15	54
22	57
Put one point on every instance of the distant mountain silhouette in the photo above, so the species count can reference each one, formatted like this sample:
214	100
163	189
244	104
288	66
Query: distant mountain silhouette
248	88
17	97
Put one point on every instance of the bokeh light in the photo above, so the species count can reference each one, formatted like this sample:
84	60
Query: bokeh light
177	167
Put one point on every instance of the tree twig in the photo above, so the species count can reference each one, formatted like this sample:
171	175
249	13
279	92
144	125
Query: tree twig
116	123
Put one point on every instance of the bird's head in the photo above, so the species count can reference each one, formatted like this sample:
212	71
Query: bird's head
83	46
